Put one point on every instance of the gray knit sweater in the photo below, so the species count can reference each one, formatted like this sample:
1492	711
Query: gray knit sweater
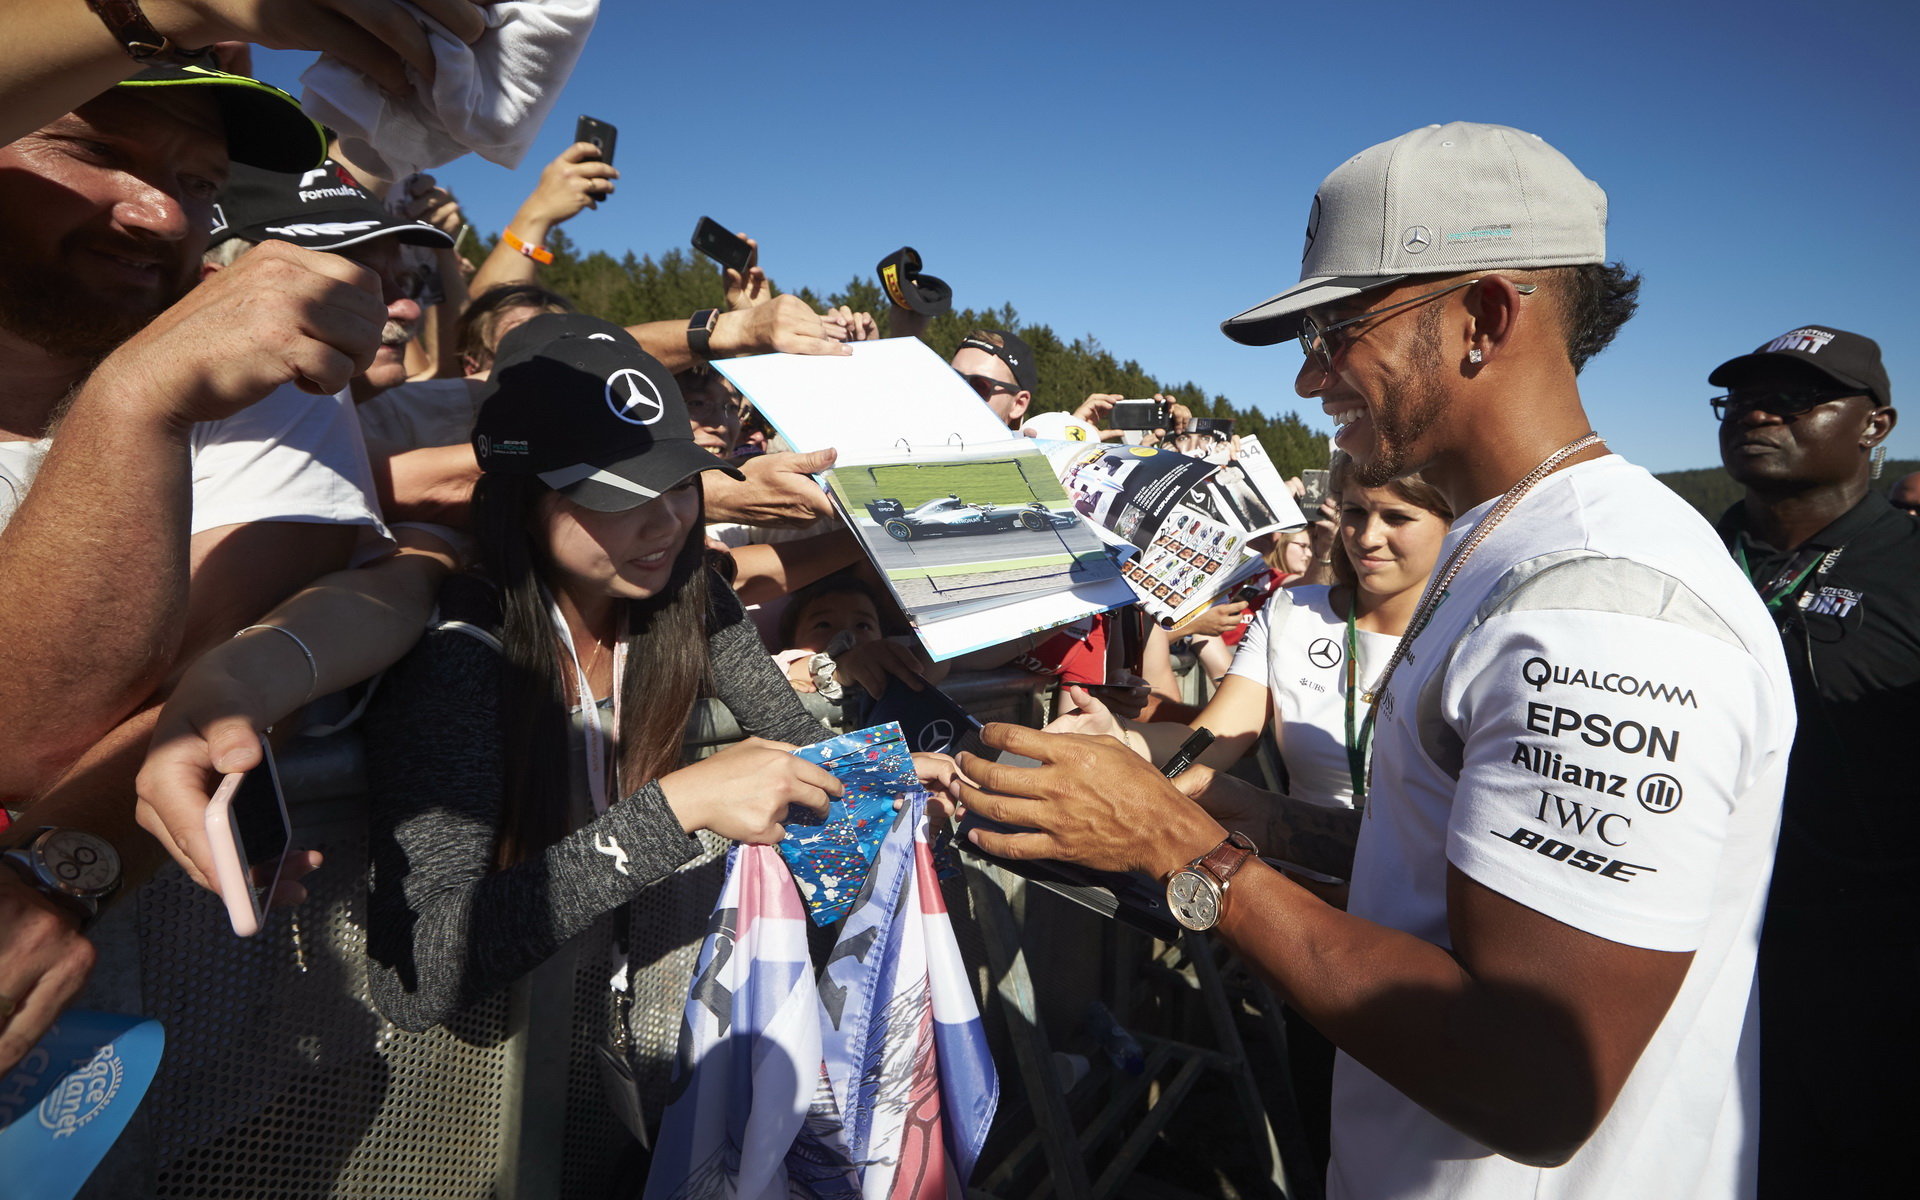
444	928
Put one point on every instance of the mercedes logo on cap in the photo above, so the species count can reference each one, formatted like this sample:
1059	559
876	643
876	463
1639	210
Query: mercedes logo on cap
1313	228
1417	239
1324	652
633	397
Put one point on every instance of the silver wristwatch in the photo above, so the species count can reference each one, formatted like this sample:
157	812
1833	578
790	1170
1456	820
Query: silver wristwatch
71	866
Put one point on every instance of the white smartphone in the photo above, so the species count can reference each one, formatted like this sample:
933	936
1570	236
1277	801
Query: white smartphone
250	832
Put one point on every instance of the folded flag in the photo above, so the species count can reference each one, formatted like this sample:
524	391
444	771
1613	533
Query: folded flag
830	861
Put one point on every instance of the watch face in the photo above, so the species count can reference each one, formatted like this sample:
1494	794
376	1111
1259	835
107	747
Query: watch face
1194	899
80	862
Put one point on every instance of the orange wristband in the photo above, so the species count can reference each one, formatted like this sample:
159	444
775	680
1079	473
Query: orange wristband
539	254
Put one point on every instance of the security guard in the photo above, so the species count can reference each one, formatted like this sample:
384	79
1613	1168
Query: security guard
1839	568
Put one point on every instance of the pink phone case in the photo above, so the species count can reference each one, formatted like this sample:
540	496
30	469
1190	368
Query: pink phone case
229	869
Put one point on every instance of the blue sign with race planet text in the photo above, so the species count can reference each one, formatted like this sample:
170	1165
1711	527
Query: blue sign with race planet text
68	1100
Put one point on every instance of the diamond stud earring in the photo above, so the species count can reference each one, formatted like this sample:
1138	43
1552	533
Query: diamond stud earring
1473	356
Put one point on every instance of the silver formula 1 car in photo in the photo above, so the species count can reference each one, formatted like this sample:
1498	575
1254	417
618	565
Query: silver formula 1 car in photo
950	514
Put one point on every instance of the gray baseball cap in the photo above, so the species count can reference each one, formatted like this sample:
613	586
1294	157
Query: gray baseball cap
1442	200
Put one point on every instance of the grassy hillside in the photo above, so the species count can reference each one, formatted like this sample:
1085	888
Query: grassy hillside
1709	490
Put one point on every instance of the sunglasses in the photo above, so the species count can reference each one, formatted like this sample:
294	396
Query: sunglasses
1776	403
1318	343
988	387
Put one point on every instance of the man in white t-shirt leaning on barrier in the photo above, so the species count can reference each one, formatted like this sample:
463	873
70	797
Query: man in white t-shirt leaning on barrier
1543	984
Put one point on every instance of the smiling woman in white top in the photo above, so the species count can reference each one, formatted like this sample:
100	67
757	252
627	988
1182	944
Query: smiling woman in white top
1313	655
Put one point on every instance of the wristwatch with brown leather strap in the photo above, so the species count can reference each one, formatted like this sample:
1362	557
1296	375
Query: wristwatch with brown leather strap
1197	892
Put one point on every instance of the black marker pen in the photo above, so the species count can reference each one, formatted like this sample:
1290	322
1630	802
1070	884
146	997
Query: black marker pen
1189	750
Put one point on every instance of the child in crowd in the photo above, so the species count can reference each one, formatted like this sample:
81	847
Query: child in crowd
835	637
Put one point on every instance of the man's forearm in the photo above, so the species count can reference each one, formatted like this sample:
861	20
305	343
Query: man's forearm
1315	836
64	57
93	584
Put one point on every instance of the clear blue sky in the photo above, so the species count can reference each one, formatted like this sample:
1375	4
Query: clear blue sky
1140	171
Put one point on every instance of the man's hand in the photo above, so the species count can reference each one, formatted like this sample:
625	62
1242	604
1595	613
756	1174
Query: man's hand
778	490
428	201
783	325
279	315
44	959
845	325
379	38
574	181
748	289
1094	409
1090	801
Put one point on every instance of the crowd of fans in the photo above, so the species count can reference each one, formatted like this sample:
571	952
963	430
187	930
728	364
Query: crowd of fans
268	435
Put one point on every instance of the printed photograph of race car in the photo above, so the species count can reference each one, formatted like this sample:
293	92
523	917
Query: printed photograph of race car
951	514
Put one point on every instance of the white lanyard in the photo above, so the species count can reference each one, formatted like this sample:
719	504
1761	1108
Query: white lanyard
597	754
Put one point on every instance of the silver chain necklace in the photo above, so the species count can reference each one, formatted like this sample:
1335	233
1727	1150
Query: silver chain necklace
1443	578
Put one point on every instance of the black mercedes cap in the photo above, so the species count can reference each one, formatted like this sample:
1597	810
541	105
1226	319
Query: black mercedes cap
1008	349
265	126
576	401
909	289
1846	358
321	209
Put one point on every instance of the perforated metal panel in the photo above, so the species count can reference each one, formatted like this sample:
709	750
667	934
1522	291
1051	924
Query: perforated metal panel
282	1083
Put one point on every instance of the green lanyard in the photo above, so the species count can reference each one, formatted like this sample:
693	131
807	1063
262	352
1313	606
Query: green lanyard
1780	594
1357	739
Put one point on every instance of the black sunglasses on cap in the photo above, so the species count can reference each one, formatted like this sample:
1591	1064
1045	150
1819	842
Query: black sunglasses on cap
988	387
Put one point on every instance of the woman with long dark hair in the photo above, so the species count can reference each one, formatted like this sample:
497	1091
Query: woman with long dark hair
524	758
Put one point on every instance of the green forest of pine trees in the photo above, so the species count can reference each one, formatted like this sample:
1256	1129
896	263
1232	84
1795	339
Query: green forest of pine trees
631	289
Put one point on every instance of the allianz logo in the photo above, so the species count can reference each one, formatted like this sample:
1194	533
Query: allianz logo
1538	673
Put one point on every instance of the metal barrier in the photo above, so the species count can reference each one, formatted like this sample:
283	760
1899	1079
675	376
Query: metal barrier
282	1082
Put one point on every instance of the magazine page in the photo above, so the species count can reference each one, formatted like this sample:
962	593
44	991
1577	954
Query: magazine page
1247	489
886	395
1128	490
1192	558
978	546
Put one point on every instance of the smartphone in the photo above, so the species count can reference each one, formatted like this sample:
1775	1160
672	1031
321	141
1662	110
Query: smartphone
598	134
1140	414
1213	426
1314	494
250	831
722	245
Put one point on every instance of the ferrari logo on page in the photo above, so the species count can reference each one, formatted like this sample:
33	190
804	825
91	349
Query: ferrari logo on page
633	397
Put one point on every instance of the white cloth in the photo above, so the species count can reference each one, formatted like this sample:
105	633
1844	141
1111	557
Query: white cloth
1596	725
1297	649
427	412
290	457
490	98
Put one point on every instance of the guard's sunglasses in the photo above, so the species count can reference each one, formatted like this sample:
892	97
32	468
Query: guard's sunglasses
1782	403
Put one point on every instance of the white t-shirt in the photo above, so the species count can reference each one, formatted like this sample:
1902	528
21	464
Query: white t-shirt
1297	649
290	457
1595	724
426	412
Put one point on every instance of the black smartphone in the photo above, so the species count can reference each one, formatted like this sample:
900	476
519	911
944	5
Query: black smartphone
598	134
1140	414
722	245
